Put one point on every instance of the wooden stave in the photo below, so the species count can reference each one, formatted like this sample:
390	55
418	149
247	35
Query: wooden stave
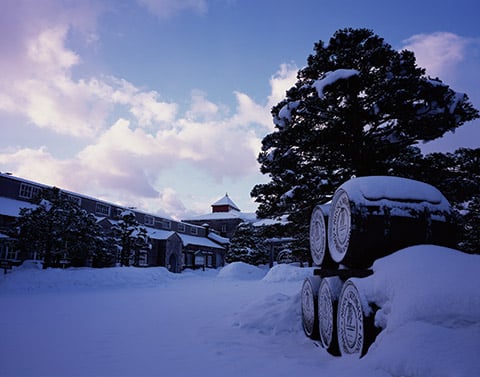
355	339
310	288
328	294
375	233
318	237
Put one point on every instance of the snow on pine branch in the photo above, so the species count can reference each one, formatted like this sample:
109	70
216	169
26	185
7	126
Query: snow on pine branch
331	77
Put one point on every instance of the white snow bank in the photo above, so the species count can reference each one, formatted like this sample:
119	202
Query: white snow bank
272	315
425	283
287	272
242	271
429	311
235	321
28	279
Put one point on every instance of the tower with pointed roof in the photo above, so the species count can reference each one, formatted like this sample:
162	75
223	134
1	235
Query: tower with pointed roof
224	204
224	218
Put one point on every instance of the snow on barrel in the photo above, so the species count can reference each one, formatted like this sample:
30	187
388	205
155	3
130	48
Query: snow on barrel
371	217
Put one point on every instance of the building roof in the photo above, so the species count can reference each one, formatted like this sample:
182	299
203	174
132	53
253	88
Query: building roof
159	234
218	238
226	201
11	207
198	241
244	216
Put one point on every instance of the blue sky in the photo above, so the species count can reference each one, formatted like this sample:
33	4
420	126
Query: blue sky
162	104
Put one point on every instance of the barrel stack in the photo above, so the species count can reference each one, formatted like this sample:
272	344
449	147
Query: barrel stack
367	219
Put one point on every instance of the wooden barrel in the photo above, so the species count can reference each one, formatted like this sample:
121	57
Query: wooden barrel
371	217
318	234
309	302
328	294
355	321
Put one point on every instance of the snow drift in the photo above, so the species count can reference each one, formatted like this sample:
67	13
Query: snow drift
241	320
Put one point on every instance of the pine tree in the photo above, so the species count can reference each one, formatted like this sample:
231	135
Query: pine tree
457	176
58	229
470	236
246	246
358	108
130	237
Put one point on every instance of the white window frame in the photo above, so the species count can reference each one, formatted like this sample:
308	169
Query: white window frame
28	191
181	227
194	230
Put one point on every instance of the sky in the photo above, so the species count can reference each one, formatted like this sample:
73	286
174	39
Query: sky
162	104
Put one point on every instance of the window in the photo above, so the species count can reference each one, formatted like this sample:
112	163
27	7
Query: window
28	191
149	220
75	199
102	209
166	224
194	230
181	227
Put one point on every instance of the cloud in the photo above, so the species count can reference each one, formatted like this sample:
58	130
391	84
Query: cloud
440	52
201	108
125	137
36	164
36	67
167	8
44	91
453	59
281	81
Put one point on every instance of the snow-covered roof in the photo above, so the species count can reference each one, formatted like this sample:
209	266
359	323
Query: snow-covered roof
11	207
217	238
245	216
159	234
198	241
226	201
162	234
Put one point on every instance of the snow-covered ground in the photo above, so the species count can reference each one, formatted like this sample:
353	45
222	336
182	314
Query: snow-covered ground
237	321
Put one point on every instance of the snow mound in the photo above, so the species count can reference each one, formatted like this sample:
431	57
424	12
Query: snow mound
287	272
376	188
28	279
241	271
429	302
272	315
425	283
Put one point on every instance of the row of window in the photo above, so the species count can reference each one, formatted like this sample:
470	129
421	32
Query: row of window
29	191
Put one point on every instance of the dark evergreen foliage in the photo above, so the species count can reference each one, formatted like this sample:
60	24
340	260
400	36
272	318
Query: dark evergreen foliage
358	108
457	175
130	238
247	246
59	231
470	235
